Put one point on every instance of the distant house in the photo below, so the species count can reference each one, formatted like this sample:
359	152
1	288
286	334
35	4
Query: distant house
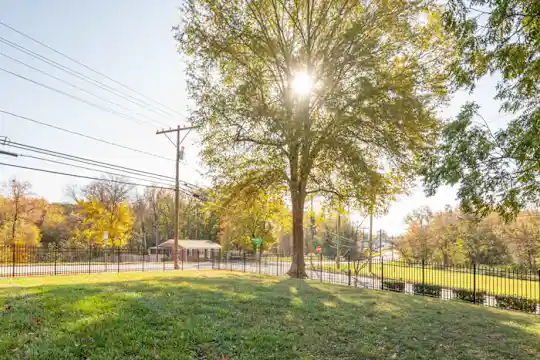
189	250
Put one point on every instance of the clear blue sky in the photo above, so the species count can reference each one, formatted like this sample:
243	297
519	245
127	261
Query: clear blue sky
131	41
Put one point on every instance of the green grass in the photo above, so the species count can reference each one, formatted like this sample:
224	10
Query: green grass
208	315
493	285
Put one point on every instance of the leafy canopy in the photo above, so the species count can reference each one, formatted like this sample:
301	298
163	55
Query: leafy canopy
249	215
97	219
377	73
494	170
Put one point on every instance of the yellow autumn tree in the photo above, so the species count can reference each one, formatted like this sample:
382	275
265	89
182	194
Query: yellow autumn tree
19	215
250	213
96	220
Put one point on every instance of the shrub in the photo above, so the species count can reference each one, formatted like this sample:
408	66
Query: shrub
427	289
398	286
515	303
467	295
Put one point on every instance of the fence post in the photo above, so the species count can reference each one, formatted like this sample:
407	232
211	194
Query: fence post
198	265
320	262
382	273
244	255
89	258
143	256
538	290
118	260
13	249
349	268
277	264
423	275
55	257
474	283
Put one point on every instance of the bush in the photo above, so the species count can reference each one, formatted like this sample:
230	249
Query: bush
515	303
427	289
398	286
467	295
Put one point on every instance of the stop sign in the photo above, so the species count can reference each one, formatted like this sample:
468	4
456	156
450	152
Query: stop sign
318	249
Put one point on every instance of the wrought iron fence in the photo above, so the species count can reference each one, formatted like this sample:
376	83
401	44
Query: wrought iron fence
19	261
478	284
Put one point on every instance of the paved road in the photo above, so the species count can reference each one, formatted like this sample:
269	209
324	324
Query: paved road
268	267
85	268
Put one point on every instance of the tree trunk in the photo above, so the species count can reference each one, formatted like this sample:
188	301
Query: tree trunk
298	265
15	219
446	259
156	229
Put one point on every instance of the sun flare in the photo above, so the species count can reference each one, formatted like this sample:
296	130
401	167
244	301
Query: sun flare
302	83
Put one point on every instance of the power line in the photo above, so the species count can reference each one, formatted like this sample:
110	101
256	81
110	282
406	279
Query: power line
98	179
83	135
84	77
88	67
87	168
88	161
79	88
90	103
99	163
84	177
74	73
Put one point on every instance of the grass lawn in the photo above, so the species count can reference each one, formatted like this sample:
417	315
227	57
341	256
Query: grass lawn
493	285
227	315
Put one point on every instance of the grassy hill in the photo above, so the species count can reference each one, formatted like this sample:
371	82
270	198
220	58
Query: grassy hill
224	315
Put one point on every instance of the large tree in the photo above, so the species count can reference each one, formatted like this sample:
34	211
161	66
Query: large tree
329	97
494	170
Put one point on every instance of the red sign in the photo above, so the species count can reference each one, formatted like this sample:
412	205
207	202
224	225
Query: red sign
318	249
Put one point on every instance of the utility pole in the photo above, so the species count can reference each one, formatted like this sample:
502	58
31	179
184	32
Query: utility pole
179	156
312	225
338	238
380	244
370	238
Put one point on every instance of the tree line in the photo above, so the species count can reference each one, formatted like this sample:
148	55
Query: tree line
110	213
101	213
452	237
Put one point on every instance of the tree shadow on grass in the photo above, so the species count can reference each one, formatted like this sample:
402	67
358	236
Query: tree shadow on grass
248	317
392	325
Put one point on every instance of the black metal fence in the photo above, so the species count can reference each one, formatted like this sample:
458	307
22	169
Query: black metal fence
478	284
20	261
